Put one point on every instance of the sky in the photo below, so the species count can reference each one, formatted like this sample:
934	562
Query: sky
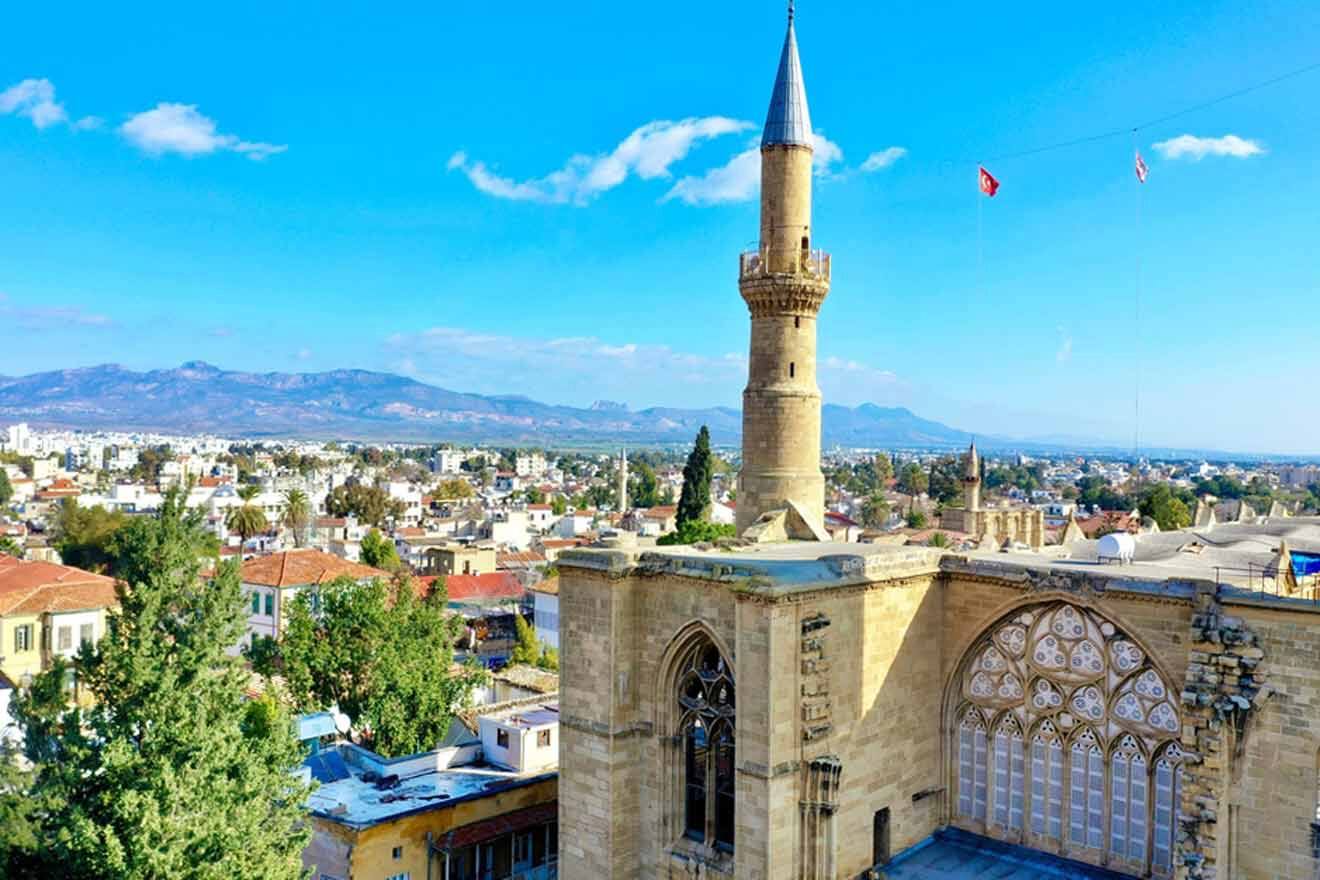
550	199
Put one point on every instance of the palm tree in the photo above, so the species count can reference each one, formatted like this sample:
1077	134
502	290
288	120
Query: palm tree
248	492
247	520
297	511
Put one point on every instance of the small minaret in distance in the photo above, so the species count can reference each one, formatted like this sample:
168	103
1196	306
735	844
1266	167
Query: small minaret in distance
783	283
972	479
623	481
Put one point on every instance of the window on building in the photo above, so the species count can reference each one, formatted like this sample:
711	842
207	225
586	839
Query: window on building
64	638
880	837
270	604
706	705
502	738
23	638
85	634
397	853
404	876
1068	730
797	322
792	369
256	602
543	738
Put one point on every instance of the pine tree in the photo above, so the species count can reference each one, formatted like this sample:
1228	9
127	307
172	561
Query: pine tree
161	776
694	502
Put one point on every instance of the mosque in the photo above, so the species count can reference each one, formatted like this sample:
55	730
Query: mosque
787	708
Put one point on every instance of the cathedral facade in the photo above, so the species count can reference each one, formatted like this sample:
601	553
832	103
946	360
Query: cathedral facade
784	709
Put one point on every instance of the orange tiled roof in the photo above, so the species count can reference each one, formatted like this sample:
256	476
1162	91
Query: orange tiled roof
294	568
39	587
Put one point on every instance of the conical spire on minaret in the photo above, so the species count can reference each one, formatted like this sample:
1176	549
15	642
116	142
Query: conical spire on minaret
788	121
973	469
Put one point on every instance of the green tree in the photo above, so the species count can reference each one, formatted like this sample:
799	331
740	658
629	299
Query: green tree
296	515
82	535
161	777
1168	510
19	815
246	520
534	495
150	459
912	482
697	531
939	539
875	511
643	487
694	502
6	488
883	467
383	656
558	506
916	519
526	647
454	490
944	484
371	505
379	551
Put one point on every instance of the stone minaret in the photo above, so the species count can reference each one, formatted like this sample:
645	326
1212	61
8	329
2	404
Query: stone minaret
784	283
623	481
972	479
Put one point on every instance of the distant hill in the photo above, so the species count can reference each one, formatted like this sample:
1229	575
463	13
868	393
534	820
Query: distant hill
365	405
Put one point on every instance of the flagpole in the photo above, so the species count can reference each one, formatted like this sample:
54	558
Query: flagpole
1136	397
980	274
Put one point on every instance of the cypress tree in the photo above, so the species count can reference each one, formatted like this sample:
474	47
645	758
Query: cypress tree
694	502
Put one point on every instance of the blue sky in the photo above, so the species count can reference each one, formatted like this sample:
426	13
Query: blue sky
297	187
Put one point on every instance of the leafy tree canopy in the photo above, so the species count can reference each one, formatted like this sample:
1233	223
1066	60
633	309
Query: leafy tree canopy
383	656
83	535
161	776
697	531
379	551
371	505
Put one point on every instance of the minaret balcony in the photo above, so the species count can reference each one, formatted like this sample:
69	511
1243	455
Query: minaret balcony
814	264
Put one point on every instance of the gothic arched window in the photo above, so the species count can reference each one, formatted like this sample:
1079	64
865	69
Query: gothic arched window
706	707
1065	738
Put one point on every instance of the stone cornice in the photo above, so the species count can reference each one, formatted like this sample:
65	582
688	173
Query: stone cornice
783	294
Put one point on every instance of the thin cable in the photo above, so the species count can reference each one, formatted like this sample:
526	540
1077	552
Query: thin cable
1167	117
1136	396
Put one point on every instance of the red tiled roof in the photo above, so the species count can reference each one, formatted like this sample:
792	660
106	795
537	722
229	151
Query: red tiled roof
491	587
518	559
549	586
38	587
301	567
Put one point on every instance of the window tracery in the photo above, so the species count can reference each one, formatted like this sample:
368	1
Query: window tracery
1066	732
707	721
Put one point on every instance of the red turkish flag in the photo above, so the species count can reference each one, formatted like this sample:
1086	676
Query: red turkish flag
989	185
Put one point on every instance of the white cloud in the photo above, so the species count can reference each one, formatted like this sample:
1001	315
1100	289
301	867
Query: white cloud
1187	146
1064	354
647	153
642	373
736	181
179	128
303	354
883	158
88	123
49	317
35	99
825	153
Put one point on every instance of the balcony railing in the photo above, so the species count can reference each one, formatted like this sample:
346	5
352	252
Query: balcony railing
815	263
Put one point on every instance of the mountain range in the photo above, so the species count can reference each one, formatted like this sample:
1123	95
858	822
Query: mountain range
364	405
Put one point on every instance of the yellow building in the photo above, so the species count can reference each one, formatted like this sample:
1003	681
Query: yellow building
485	806
48	611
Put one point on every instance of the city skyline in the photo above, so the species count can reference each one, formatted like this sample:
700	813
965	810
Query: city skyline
299	214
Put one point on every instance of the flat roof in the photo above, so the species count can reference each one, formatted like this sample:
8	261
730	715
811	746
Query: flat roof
1238	556
358	804
953	854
